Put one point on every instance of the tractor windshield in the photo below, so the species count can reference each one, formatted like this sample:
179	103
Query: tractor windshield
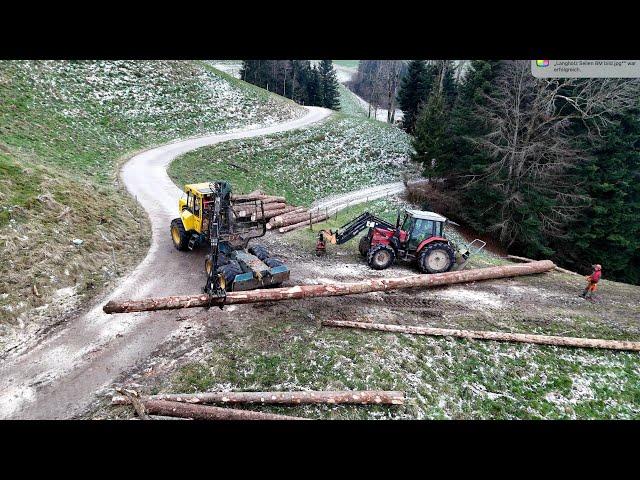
422	229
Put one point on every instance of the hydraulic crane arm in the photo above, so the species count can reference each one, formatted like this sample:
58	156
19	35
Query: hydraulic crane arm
351	229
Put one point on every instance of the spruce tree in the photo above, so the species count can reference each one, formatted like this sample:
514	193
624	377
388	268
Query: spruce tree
432	142
415	87
448	85
608	232
314	87
329	96
411	93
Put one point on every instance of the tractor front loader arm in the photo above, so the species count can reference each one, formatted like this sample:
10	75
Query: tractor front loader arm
349	230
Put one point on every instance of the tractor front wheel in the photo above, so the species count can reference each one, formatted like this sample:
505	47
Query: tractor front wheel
381	257
364	245
436	258
179	234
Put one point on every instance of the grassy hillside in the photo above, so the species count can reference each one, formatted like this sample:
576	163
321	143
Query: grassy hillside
65	127
342	154
349	104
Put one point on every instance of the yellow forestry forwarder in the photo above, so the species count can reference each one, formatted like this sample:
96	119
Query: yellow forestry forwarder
207	217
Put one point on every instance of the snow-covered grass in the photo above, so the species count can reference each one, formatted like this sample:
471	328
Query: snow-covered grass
65	127
342	154
231	67
442	378
86	111
349	103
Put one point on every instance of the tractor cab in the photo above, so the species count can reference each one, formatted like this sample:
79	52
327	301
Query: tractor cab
419	228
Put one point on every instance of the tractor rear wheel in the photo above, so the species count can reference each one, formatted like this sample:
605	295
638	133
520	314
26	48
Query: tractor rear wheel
381	257
436	258
364	245
179	235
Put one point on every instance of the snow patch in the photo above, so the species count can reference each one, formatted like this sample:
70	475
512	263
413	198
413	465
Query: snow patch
13	397
472	298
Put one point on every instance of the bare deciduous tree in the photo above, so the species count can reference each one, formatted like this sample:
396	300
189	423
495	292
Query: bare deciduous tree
531	146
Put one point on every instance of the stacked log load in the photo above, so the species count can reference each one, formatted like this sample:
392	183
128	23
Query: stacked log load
279	214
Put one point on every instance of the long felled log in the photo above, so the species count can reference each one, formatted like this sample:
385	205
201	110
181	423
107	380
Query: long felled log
308	221
525	259
356	397
497	336
331	290
248	196
207	412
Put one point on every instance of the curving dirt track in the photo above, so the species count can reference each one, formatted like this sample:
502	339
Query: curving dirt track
59	377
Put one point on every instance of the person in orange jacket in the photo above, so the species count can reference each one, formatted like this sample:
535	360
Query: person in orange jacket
592	284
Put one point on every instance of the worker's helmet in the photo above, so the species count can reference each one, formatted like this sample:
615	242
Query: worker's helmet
598	266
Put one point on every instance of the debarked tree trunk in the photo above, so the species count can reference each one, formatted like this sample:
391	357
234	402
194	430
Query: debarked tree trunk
328	290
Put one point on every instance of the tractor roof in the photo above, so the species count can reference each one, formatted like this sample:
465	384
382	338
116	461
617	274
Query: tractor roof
427	215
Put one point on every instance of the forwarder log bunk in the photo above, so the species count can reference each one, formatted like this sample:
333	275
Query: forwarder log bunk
376	285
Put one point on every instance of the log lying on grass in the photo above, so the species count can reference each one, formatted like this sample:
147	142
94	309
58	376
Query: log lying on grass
497	336
296	218
356	397
205	412
308	221
330	290
285	219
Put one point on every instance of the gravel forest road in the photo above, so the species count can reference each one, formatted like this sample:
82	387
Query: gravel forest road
60	376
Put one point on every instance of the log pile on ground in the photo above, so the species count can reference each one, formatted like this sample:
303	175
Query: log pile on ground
279	214
190	405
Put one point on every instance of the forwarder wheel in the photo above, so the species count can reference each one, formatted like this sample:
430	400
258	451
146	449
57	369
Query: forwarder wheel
208	265
364	245
273	262
229	271
436	258
259	251
179	234
381	257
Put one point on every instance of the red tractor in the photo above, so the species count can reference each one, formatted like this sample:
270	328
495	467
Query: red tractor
419	238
